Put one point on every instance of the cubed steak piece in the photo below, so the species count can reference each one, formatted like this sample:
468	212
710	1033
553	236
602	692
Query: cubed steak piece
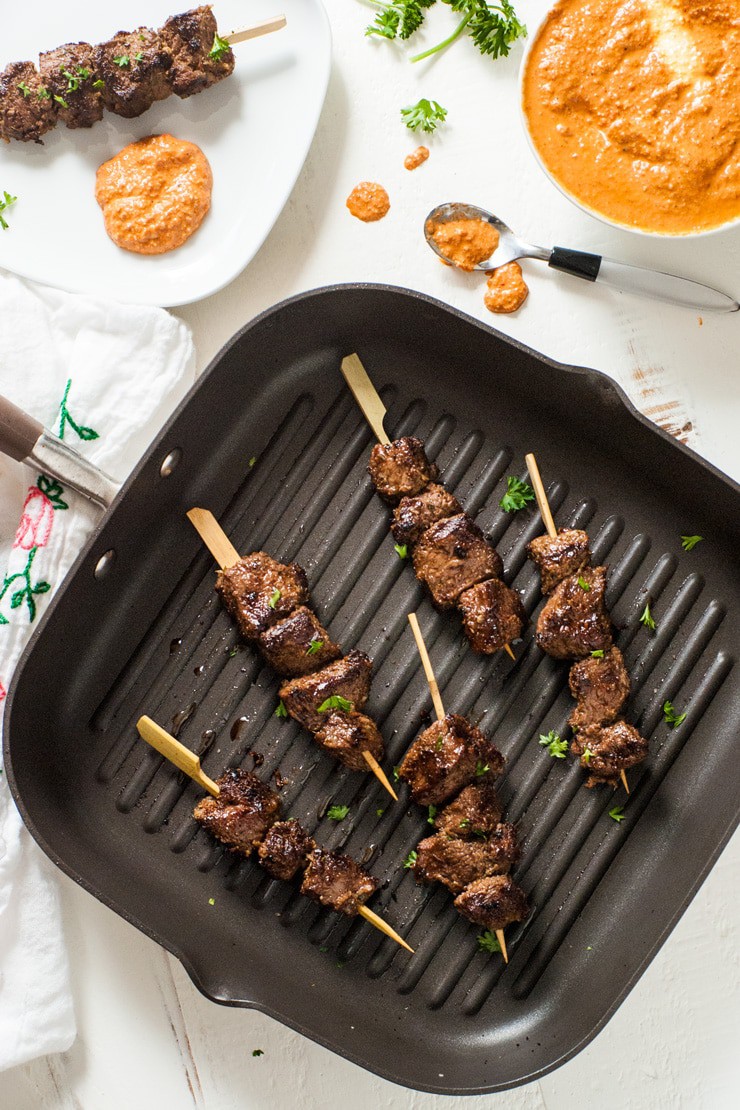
242	813
285	849
413	515
258	592
574	621
457	863
347	735
27	108
401	468
337	882
453	555
344	684
447	756
493	615
133	67
71	77
298	644
559	556
607	750
475	812
199	58
493	903
600	684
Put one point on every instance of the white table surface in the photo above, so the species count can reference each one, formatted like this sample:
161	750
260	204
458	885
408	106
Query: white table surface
146	1037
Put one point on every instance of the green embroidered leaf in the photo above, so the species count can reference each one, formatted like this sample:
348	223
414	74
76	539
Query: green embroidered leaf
41	588
17	599
53	490
86	433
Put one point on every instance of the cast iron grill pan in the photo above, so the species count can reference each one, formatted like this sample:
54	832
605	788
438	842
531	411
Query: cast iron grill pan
152	637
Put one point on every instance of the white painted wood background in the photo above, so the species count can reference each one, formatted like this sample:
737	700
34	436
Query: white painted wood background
147	1039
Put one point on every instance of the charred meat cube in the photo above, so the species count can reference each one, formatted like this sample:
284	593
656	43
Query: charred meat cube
457	863
199	58
347	735
414	515
285	849
559	556
600	685
493	615
70	75
574	621
401	468
475	812
493	903
298	644
447	756
344	684
258	591
337	881
607	750
453	555
27	108
242	813
133	67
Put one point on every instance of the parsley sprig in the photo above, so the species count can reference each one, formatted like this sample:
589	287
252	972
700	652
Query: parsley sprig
398	19
401	549
555	746
423	116
219	48
488	942
493	27
518	494
5	203
646	618
617	813
688	543
337	813
411	859
336	701
315	646
670	716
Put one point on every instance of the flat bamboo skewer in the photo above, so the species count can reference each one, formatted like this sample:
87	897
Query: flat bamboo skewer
440	711
188	761
544	507
226	555
265	27
373	409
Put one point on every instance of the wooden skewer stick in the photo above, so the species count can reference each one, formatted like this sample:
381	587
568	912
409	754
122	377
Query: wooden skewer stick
226	555
188	761
545	513
266	27
440	711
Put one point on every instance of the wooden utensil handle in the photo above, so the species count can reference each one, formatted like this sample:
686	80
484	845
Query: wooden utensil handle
18	431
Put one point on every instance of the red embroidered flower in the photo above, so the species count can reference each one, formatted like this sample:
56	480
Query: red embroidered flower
3	692
36	522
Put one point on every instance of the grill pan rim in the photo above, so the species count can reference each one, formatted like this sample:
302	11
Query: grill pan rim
153	450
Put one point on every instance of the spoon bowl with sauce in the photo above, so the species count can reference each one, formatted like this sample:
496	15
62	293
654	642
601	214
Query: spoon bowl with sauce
467	236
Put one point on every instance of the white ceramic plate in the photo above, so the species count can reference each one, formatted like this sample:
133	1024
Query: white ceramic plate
255	128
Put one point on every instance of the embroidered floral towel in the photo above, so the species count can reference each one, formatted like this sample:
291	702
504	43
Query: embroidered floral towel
104	377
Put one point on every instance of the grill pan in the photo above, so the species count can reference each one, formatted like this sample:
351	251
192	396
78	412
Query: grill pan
148	635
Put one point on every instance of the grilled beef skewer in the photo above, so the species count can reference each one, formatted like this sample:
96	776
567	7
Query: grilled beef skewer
447	756
493	902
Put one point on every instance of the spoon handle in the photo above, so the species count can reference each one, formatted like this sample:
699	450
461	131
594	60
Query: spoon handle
645	283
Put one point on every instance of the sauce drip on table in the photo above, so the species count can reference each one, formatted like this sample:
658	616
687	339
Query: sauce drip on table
506	289
368	201
416	158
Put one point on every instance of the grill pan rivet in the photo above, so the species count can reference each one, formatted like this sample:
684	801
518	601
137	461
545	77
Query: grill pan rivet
170	462
105	564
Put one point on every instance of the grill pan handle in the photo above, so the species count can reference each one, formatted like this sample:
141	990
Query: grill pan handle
26	440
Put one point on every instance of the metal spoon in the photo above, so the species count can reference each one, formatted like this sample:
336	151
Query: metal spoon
591	267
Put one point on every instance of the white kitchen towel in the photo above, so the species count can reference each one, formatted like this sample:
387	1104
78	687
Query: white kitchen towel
104	377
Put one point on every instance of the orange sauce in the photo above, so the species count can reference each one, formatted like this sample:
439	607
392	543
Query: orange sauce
634	107
464	242
416	158
506	289
368	201
154	193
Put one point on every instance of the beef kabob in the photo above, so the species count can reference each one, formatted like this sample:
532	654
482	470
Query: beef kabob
574	624
472	850
451	556
243	813
325	690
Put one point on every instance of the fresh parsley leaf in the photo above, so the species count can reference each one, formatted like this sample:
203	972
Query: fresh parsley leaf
492	27
139	57
62	101
219	48
379	812
688	543
122	61
583	583
423	116
5	203
401	550
481	769
587	753
43	94
617	814
337	813
410	859
274	598
336	701
281	711
24	88
598	654
99	84
555	746
258	1052
211	901
431	814
314	647
73	80
488	942
646	618
399	18
517	495
671	718
396	774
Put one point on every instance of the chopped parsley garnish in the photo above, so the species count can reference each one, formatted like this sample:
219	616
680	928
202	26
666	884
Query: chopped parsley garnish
122	61
379	812
587	753
431	814
99	84
337	813
410	859
518	494
481	769
252	461
24	88
139	57
555	746
281	711
396	774
43	94
583	584
74	79
5	203
617	814
336	701
258	1052
211	901
274	598
646	618
598	654
219	48
670	716
234	651
464	823
488	942
401	550
62	101
314	647
688	543
423	116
